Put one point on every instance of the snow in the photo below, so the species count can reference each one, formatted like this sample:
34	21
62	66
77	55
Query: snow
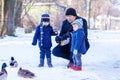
101	62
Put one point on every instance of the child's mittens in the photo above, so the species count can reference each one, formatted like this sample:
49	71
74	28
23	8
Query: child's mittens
75	52
33	44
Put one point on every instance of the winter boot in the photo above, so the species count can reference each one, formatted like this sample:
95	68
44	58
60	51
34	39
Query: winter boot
49	62
76	68
70	63
41	63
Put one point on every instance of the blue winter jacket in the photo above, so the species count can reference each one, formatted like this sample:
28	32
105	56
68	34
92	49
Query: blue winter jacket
78	41
46	36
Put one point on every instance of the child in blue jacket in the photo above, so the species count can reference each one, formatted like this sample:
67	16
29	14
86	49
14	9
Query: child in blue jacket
43	35
77	44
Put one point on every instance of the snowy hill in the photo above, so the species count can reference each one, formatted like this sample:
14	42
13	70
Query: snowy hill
101	62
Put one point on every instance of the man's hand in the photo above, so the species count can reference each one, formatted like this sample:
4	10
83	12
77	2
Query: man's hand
57	39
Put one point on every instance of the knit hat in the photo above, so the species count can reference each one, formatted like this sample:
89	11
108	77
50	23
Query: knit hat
71	11
45	18
79	22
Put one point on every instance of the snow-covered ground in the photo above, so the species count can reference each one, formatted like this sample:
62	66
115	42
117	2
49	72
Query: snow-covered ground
101	62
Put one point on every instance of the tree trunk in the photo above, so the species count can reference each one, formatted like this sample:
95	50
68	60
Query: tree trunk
11	28
18	12
4	16
88	12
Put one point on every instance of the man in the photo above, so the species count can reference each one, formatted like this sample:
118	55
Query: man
63	51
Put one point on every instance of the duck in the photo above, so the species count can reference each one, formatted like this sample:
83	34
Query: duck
13	62
25	73
3	72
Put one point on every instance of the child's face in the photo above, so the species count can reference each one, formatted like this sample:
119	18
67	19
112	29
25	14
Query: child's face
46	23
75	27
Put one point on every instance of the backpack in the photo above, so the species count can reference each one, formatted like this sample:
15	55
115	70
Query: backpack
86	34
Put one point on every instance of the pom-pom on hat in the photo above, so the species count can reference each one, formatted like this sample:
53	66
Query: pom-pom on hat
71	11
45	18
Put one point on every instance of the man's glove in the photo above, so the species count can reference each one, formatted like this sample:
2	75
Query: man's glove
57	39
75	52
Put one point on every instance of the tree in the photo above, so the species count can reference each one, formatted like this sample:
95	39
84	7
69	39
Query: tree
4	13
88	12
18	12
11	28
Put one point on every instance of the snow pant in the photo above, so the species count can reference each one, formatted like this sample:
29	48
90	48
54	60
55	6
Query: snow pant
77	60
45	52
